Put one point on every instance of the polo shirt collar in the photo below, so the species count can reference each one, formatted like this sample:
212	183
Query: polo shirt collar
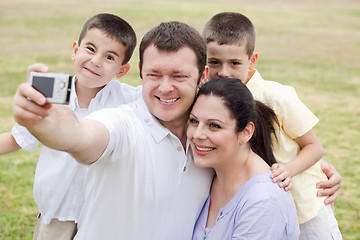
157	131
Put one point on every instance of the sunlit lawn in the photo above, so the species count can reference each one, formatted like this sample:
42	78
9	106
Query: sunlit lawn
313	46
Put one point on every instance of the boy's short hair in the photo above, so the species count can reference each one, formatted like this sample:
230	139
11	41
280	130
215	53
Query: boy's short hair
116	28
170	37
230	28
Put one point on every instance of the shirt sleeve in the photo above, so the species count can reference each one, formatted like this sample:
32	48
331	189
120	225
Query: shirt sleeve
118	122
24	138
294	116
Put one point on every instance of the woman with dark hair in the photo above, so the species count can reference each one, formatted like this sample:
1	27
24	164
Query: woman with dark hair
232	133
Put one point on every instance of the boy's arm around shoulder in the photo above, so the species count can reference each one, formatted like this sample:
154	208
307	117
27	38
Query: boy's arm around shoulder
310	152
58	127
8	143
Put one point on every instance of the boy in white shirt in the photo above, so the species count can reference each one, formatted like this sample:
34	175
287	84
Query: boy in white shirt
105	46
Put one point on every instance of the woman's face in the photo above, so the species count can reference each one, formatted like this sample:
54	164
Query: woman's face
211	132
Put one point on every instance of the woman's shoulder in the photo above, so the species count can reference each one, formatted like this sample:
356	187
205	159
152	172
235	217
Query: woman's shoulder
261	188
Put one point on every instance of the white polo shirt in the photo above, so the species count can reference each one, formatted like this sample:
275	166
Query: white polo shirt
59	179
144	186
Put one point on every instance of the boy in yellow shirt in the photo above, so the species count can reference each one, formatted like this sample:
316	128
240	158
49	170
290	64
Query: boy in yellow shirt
230	39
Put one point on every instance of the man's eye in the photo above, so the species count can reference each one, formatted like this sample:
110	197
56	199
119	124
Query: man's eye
235	63
90	49
152	76
180	77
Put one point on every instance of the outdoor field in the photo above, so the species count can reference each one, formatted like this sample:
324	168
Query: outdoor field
312	45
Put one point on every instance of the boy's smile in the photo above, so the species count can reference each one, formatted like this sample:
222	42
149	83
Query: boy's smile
97	59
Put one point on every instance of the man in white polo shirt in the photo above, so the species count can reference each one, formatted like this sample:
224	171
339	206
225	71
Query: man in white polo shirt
142	182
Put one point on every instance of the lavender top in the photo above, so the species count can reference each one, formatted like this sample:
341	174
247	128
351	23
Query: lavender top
259	210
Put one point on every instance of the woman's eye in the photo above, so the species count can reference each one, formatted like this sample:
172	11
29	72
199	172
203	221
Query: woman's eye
214	125
193	121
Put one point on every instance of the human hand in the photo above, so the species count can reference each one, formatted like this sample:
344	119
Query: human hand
331	186
29	105
281	173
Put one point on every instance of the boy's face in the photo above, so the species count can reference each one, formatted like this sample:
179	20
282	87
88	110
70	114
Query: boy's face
229	61
98	59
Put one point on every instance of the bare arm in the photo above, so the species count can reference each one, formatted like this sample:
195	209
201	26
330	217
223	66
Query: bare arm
8	143
84	139
311	151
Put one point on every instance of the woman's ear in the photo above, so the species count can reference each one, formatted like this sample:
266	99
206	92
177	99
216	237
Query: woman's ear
75	48
246	134
124	69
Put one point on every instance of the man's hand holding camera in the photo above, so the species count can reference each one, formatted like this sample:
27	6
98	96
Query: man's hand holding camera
33	99
29	105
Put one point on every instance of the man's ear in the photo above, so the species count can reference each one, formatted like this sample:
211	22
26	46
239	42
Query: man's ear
141	80
204	76
75	48
124	69
253	60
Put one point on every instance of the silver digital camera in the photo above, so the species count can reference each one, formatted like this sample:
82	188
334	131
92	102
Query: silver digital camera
56	87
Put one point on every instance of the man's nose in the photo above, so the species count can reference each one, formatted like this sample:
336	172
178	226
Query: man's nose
166	85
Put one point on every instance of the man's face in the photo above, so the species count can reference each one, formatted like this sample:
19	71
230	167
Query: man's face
169	81
228	61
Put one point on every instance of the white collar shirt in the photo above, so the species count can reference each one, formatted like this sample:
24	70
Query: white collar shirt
144	186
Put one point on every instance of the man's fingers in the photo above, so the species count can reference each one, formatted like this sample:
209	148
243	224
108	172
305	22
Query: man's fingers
37	67
29	105
331	199
328	191
28	92
332	182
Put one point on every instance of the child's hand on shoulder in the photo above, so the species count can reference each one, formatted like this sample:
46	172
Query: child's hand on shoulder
281	174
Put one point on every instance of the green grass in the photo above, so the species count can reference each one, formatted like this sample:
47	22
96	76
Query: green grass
313	46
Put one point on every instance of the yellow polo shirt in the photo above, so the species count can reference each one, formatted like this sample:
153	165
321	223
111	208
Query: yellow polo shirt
295	120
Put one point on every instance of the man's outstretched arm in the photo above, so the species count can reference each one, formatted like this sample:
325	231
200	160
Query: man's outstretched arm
57	126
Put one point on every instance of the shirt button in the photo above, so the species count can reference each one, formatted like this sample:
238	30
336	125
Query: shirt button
179	148
221	213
